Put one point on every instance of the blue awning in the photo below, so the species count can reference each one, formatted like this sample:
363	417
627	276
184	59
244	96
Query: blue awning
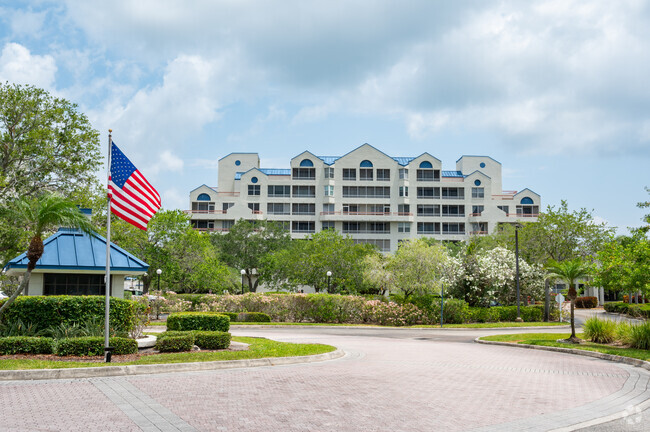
71	249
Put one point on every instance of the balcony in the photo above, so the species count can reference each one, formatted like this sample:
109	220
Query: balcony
427	232
523	215
205	211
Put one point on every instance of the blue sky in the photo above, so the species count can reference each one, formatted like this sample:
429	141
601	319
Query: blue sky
555	90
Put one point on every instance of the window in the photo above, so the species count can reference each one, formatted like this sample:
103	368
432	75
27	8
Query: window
403	227
366	228
304	191
255	207
403	174
366	192
349	174
366	164
203	197
453	193
226	206
453	210
278	208
428	228
328	208
203	225
428	210
253	189
424	175
73	284
203	207
329	190
306	163
303	227
303	209
279	191
403	209
478	192
403	191
383	174
304	173
327	225
382	244
428	193
365	174
227	224
329	173
453	228
477	210
505	209
350	208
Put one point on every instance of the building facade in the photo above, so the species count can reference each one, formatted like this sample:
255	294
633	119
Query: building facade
373	197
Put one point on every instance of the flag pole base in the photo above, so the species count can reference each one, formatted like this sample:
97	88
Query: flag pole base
108	353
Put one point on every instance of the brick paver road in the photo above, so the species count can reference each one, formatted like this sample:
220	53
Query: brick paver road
390	380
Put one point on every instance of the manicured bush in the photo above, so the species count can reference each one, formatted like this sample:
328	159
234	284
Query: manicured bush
231	315
176	343
600	331
455	311
50	311
26	345
253	317
586	302
635	310
640	336
483	315
198	321
94	346
212	340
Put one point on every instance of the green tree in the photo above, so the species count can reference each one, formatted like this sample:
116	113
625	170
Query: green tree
624	265
417	268
646	218
570	271
247	243
45	145
376	272
306	262
38	215
558	235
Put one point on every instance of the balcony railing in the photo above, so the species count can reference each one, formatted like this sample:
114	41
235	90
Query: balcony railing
213	229
349	213
460	197
428	196
429	232
453	232
304	213
310	231
453	215
365	231
475	214
205	211
523	215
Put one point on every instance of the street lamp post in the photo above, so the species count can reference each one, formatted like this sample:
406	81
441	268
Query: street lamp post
158	272
243	273
329	279
517	270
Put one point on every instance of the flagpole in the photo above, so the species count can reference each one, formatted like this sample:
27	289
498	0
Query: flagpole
107	280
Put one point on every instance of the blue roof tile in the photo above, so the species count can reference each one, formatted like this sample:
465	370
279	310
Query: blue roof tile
70	249
452	174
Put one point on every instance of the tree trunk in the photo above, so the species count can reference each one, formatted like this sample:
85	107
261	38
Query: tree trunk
573	293
21	288
547	301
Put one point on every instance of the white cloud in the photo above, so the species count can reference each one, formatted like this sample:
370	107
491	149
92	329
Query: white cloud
18	65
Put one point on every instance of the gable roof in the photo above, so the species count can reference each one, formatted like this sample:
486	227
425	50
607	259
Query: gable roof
71	249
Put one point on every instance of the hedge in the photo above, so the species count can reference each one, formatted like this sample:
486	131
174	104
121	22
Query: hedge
253	317
586	302
50	311
212	340
198	321
175	343
635	310
94	346
231	315
26	345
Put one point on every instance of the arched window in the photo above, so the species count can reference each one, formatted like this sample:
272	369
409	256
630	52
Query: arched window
203	197
527	200
366	164
426	164
306	163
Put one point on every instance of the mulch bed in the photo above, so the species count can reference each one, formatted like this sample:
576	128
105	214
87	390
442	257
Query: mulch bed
89	359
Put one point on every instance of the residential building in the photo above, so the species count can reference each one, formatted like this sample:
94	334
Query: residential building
373	197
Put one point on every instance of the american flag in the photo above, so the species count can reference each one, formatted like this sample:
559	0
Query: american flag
133	199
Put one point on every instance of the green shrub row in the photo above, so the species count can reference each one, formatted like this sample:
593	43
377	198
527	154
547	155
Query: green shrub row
586	302
26	345
175	341
94	346
185	321
252	317
83	346
607	331
51	311
635	310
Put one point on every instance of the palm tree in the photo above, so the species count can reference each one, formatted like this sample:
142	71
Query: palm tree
570	271
38	215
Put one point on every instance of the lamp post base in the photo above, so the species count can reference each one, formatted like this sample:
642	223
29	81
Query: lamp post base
519	319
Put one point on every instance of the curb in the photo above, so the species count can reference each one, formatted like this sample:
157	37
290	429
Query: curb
257	327
108	371
610	357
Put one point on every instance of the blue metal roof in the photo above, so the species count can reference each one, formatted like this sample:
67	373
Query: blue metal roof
452	174
403	160
70	249
329	160
276	171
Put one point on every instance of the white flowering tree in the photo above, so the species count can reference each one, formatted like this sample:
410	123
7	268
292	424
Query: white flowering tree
497	269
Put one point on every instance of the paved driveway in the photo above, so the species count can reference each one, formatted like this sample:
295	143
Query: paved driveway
389	380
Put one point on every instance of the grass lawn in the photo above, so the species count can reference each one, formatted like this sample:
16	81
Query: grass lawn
259	348
469	325
549	339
